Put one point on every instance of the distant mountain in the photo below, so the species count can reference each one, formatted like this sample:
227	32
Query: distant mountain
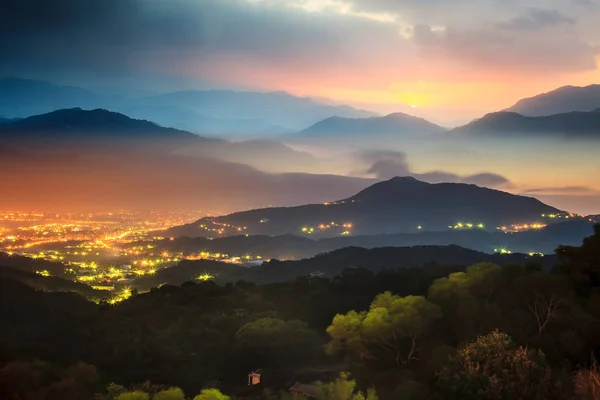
23	97
273	109
563	100
211	112
81	124
391	127
395	206
290	247
510	124
333	263
98	159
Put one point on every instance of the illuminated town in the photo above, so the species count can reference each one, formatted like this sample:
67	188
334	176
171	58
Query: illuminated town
108	250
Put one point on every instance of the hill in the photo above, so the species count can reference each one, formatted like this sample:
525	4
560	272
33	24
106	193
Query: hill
399	205
563	100
513	125
333	263
31	265
292	247
76	123
50	283
395	125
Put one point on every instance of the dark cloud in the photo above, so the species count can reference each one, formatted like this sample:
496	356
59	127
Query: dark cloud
563	190
388	164
503	49
537	18
118	36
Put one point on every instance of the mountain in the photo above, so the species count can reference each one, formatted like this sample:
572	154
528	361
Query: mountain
210	112
114	129
333	263
293	247
509	124
396	206
393	126
563	100
96	159
271	109
81	124
24	97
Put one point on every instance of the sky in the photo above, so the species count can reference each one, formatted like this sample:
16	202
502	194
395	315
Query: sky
450	61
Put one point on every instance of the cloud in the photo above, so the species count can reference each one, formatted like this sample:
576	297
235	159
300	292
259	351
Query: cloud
537	18
388	164
505	50
563	190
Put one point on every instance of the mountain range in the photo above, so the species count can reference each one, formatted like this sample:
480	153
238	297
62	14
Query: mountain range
572	125
294	247
91	158
562	100
333	263
211	112
399	205
392	127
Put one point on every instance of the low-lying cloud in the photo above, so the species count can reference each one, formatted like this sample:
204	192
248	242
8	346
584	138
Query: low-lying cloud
387	164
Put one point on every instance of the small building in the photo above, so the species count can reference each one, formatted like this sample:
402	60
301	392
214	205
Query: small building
303	389
254	378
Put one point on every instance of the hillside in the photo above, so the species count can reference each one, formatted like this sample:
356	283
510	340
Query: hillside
50	283
75	123
31	265
513	125
290	247
562	100
399	205
333	263
396	125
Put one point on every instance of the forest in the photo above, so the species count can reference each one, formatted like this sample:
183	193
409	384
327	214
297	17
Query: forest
484	331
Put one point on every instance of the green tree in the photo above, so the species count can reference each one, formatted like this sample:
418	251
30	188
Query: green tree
211	394
467	299
173	393
133	395
393	325
343	388
493	367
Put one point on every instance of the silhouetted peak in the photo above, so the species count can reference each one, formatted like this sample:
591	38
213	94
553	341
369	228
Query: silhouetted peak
391	188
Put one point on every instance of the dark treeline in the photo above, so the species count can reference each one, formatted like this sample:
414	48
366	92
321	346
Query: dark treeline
435	332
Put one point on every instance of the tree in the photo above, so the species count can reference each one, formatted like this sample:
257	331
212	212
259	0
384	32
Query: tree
493	367
392	325
582	263
211	394
173	393
587	383
343	388
544	296
467	299
134	395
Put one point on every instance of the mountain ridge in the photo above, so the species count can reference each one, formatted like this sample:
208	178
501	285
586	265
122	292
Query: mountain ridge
574	124
561	100
394	206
